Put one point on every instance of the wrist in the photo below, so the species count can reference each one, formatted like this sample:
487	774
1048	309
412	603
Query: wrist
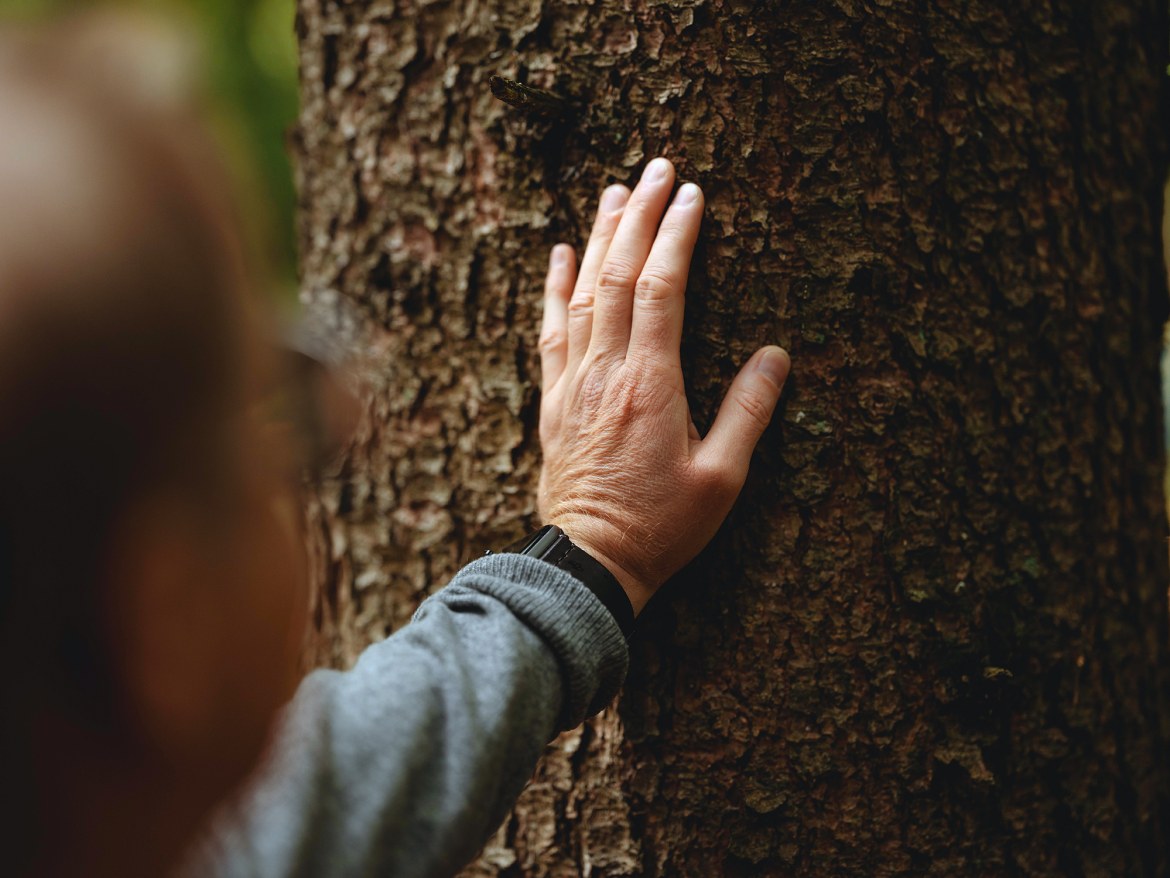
637	591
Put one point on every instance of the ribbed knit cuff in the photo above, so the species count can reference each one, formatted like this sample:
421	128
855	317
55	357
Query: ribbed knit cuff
576	625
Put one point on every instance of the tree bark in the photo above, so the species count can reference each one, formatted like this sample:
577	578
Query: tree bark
932	638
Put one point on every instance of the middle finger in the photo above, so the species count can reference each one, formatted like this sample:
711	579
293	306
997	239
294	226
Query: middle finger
626	255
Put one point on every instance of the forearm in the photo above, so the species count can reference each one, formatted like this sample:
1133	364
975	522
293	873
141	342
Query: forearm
405	764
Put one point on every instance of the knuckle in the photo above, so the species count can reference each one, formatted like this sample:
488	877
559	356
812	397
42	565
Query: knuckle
595	384
629	386
616	276
655	285
637	398
581	302
758	410
611	395
552	340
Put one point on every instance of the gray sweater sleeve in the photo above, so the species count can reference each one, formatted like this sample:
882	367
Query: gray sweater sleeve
405	765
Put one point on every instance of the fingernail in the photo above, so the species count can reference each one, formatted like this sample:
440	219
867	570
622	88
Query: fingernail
613	198
560	255
774	365
656	171
688	193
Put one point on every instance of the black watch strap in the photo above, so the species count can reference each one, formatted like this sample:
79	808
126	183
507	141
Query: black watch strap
552	545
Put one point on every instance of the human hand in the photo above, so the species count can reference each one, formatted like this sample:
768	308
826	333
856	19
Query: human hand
626	475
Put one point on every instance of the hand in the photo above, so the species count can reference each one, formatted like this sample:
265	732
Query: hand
626	474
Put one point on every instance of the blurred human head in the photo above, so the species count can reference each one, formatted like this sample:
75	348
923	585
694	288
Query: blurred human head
151	598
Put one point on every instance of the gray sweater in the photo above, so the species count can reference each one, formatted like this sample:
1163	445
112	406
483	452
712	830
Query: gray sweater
405	765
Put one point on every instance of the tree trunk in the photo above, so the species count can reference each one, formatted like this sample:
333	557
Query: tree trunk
932	638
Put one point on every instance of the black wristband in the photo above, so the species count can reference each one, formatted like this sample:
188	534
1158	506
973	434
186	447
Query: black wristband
550	544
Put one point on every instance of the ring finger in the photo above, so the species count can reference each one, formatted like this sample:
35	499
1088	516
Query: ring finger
609	213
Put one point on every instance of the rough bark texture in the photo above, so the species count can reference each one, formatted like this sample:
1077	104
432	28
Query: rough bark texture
932	639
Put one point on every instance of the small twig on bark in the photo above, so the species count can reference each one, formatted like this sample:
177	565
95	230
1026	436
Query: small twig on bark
524	97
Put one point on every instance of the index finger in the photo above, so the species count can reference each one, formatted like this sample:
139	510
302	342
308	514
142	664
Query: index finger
659	294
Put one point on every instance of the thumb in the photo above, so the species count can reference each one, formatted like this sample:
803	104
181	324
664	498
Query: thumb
746	411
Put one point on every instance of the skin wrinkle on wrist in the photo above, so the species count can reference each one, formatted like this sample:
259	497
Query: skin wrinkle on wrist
586	523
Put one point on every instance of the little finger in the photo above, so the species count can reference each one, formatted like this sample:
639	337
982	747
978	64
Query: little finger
554	337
